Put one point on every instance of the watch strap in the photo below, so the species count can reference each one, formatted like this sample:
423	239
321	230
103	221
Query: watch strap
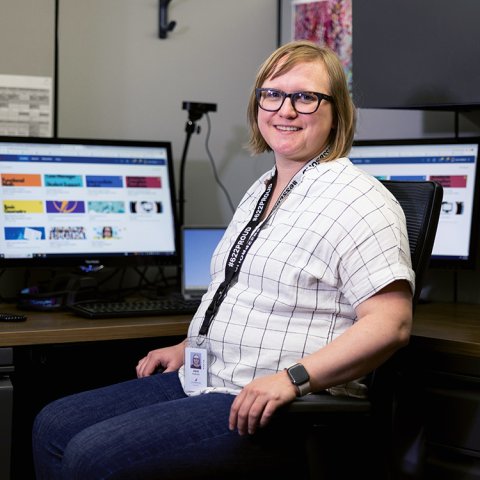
303	389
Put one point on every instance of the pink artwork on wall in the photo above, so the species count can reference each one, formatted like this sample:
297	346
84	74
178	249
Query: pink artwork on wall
326	22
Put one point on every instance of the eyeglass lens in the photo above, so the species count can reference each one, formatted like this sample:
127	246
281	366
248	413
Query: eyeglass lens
303	102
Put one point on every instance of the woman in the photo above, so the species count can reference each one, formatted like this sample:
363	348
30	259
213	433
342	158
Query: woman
311	289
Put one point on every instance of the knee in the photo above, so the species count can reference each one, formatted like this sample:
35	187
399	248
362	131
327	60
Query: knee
88	455
79	462
54	425
48	438
45	422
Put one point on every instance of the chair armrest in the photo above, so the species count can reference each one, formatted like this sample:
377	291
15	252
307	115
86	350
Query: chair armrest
326	403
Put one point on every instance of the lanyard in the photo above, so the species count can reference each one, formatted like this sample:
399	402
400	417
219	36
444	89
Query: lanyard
236	257
245	240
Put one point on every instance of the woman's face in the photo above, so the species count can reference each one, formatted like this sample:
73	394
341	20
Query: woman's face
294	136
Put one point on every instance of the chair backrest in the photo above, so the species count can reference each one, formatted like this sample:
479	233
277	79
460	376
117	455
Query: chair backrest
421	202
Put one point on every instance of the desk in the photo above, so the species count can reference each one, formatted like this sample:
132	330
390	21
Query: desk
60	327
443	390
449	330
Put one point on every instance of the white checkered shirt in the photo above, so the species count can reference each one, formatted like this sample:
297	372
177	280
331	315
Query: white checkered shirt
338	238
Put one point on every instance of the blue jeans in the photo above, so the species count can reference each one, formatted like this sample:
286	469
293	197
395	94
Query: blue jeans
149	429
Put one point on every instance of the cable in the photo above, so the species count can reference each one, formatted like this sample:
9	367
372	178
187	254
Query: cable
214	168
2	298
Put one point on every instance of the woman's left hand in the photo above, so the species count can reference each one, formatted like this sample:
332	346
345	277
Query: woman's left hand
255	405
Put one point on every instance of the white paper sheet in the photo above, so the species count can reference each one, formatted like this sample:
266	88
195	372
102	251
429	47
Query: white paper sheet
26	106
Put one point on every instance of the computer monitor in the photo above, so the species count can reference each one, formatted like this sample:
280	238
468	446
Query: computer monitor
453	164
86	203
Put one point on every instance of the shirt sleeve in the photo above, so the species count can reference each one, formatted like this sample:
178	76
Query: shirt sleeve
373	246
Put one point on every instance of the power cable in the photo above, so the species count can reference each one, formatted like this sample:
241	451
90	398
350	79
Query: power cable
214	168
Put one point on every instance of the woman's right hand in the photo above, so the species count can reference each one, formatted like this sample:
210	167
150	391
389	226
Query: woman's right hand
168	358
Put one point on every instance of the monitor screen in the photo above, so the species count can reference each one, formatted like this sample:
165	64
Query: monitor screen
198	245
453	164
91	203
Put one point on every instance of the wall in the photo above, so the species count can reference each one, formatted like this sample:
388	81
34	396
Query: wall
27	37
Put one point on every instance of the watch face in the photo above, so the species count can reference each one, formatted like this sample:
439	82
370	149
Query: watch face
298	374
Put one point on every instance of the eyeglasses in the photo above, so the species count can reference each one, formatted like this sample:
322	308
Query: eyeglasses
271	100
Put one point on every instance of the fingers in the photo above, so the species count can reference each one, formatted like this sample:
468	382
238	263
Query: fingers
267	414
168	358
242	414
141	368
250	411
256	404
147	365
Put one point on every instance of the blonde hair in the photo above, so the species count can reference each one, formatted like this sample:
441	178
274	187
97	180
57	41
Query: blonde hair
283	60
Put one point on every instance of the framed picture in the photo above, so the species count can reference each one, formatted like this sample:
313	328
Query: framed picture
325	22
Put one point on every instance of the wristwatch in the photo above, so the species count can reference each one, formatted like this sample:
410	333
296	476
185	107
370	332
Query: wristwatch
300	378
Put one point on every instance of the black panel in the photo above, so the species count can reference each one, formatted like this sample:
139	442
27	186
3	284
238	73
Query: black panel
416	54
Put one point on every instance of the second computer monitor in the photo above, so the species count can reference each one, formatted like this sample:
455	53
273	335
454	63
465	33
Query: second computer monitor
86	203
451	162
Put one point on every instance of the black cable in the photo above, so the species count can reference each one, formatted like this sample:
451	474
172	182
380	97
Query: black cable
144	281
214	168
107	278
2	298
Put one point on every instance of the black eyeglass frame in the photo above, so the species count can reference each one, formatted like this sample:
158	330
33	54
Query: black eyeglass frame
320	97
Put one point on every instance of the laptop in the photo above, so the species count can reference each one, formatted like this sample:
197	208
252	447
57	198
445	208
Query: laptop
198	245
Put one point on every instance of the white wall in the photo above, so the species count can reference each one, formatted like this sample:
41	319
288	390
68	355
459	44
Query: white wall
27	37
117	79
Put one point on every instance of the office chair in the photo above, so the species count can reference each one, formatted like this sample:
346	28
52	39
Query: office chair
348	437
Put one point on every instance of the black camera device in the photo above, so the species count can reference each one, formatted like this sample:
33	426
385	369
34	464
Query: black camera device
199	107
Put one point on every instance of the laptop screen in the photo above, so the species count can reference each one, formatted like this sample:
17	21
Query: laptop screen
198	245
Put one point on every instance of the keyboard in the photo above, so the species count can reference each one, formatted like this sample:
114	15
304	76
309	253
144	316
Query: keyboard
136	308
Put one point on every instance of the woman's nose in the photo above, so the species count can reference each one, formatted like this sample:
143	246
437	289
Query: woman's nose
287	109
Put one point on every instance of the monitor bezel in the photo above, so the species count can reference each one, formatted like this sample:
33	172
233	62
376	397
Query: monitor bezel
436	261
91	262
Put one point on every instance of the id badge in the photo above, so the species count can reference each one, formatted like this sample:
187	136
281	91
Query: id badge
196	361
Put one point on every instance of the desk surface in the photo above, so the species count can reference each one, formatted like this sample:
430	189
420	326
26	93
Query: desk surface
448	328
63	327
443	327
